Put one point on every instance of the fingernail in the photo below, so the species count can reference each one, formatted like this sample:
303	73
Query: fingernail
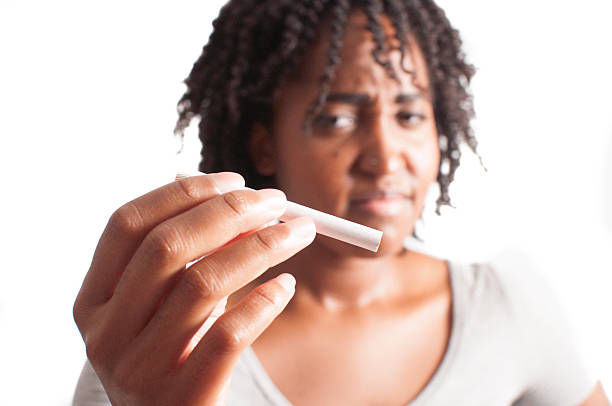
273	200
287	281
227	181
302	228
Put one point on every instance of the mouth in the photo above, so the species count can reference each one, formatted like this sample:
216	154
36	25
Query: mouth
384	204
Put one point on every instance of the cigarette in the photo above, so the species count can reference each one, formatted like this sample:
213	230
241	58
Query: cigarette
326	224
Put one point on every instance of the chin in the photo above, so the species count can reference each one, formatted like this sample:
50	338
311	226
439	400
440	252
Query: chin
393	240
395	229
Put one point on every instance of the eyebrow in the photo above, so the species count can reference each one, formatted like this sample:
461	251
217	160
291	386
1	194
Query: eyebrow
349	98
362	98
408	97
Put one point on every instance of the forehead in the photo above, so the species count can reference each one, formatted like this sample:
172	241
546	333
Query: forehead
357	64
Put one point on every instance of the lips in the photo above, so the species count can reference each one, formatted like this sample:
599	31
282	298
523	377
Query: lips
382	203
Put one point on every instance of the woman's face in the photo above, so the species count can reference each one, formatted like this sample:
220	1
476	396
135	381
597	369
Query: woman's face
372	152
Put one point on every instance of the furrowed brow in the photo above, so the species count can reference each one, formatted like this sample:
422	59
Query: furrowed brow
408	97
349	98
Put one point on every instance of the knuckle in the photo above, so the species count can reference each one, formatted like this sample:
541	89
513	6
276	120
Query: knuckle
225	339
164	243
237	202
94	349
268	296
194	284
272	237
189	188
77	312
83	314
127	219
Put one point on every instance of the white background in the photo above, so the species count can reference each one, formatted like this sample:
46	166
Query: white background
87	107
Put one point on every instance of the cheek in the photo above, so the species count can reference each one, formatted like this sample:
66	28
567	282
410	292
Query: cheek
426	163
430	161
431	164
330	169
312	172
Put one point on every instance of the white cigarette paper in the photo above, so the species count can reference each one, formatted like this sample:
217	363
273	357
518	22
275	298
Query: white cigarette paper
326	224
336	227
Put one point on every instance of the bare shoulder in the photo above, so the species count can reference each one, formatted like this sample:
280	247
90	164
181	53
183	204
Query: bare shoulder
597	397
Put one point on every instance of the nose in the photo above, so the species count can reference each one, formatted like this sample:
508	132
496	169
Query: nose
382	152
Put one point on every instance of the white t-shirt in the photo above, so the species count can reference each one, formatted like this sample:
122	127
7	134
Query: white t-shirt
509	345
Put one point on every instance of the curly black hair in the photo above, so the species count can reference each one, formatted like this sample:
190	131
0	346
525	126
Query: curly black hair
255	44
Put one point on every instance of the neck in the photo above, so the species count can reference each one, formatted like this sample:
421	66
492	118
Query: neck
333	281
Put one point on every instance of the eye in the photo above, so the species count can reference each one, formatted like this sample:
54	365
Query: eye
410	119
334	121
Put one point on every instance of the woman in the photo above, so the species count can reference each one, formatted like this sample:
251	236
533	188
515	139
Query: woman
354	108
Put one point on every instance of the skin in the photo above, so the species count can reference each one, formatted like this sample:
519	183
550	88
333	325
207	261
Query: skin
350	319
156	332
358	307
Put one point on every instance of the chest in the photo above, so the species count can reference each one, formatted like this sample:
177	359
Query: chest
386	362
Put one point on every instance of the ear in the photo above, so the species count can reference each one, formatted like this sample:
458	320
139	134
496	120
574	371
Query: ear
261	149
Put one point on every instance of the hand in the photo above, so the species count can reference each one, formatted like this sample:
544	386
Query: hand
155	330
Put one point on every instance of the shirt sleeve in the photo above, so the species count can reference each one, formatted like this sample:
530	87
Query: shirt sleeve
89	390
557	374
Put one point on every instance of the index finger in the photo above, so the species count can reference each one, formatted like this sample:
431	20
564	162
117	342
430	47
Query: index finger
130	223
